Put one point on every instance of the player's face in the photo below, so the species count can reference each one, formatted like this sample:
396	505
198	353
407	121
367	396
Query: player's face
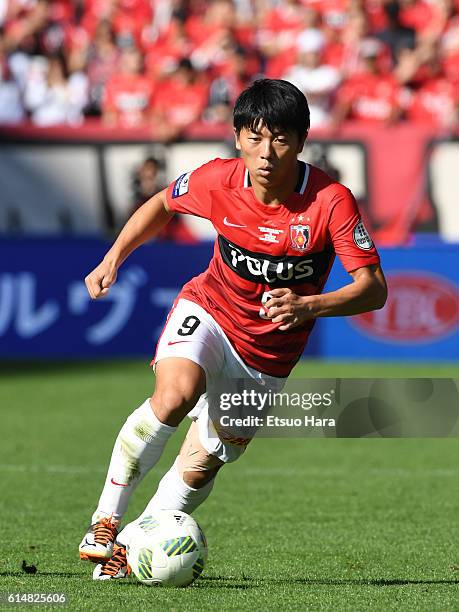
269	156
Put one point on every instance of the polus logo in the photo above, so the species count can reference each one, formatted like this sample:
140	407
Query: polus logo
421	307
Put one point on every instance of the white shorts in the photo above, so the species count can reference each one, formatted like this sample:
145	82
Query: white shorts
192	333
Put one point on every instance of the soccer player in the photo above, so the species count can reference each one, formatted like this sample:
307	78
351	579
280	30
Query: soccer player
280	223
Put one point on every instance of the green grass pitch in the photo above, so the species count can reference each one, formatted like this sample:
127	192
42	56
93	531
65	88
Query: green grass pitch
302	524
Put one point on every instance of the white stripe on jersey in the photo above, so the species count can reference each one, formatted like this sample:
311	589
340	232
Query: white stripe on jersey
305	179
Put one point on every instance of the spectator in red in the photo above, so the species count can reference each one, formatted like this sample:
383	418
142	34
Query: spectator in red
216	28
163	55
371	95
164	12
179	101
374	10
226	88
24	31
130	21
220	14
101	58
435	101
345	54
213	54
396	35
129	18
129	94
277	36
334	13
449	39
97	11
317	80
342	51
43	27
417	14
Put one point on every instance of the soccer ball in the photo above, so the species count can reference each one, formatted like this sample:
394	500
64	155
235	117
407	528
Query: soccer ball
167	548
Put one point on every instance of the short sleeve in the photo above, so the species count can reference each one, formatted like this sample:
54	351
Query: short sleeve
351	241
190	192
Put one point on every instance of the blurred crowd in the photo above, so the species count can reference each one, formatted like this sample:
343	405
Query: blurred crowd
170	63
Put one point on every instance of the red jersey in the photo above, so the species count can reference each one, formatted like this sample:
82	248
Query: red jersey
280	29
372	97
130	97
181	103
418	16
334	13
450	65
435	102
262	247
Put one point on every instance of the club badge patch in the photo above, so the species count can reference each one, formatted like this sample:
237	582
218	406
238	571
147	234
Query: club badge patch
300	236
362	237
181	185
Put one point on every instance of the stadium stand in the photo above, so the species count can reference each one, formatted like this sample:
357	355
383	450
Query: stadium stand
173	62
132	73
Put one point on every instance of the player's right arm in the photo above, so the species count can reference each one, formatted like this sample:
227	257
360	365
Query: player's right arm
145	223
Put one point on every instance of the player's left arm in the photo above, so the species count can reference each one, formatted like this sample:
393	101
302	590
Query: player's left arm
367	291
354	247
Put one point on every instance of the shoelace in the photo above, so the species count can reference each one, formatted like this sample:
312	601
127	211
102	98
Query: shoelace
118	561
104	531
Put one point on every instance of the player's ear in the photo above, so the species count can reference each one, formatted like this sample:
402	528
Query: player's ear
237	142
301	142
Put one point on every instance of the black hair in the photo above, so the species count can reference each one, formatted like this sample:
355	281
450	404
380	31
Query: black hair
152	160
392	10
185	64
277	104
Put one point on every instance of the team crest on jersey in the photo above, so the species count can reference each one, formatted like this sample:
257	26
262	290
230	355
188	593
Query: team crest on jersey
300	236
181	185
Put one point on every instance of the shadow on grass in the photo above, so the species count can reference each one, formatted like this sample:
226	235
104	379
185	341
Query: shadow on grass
220	583
247	582
370	582
20	574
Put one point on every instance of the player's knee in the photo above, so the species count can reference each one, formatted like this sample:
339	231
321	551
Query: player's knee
173	402
169	404
179	385
195	465
197	480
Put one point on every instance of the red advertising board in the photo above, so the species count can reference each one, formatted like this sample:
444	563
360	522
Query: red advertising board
421	307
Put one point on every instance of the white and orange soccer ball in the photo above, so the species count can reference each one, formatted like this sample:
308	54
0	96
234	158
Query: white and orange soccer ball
167	548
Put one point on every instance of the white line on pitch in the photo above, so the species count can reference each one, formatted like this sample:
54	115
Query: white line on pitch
249	471
310	471
50	469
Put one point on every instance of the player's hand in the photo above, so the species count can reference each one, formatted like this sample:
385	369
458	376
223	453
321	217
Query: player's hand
99	281
288	308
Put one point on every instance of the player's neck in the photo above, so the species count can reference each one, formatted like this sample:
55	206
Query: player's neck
275	194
